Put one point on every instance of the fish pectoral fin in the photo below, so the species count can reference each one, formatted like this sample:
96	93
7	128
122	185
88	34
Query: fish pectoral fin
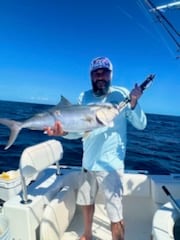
88	118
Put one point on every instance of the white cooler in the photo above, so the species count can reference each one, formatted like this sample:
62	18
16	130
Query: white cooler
10	184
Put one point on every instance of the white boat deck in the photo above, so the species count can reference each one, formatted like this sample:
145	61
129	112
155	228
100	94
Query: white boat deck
101	230
135	229
52	213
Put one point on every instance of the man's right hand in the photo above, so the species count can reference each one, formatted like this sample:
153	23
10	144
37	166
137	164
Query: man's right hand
56	130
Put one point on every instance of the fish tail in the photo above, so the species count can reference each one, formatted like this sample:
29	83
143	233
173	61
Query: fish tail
14	126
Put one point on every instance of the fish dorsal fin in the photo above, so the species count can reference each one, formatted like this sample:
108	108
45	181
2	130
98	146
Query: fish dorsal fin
64	102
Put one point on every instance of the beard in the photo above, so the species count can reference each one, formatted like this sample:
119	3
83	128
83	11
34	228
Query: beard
100	87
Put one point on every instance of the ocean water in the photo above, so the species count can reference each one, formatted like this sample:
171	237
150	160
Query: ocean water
155	149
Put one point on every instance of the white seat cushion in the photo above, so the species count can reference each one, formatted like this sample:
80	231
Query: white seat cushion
58	215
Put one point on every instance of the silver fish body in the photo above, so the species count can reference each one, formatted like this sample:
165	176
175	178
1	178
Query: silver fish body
73	118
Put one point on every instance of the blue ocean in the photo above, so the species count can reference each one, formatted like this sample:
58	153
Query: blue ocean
155	149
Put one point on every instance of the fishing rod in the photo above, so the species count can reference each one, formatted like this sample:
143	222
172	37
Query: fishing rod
147	82
174	202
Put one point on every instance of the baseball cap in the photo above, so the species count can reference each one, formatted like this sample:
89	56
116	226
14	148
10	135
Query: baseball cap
101	62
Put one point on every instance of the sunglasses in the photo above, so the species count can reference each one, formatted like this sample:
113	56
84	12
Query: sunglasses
101	72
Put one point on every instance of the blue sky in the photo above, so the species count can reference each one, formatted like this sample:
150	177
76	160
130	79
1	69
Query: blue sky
46	48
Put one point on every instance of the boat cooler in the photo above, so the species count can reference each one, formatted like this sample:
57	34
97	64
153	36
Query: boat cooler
10	184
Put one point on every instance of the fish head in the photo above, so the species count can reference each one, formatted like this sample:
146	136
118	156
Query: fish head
106	114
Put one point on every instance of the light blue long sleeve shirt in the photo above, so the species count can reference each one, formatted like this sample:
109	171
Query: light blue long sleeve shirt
104	149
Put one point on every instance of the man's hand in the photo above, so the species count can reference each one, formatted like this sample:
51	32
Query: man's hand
56	130
135	94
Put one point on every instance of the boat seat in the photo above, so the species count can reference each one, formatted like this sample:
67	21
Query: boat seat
136	185
37	158
58	214
163	222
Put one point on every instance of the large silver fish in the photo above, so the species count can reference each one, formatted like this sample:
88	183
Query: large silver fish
74	118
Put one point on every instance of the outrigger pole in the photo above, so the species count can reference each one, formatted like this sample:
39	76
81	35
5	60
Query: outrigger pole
170	29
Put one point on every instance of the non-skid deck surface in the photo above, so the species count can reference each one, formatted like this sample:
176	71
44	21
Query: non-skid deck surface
135	229
101	230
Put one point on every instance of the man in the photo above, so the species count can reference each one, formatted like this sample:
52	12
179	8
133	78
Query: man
104	148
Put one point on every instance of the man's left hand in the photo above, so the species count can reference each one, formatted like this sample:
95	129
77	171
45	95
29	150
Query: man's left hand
135	94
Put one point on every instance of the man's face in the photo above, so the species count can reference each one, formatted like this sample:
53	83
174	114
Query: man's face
101	79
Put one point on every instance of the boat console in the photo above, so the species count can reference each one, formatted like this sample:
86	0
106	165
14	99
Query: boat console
45	191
